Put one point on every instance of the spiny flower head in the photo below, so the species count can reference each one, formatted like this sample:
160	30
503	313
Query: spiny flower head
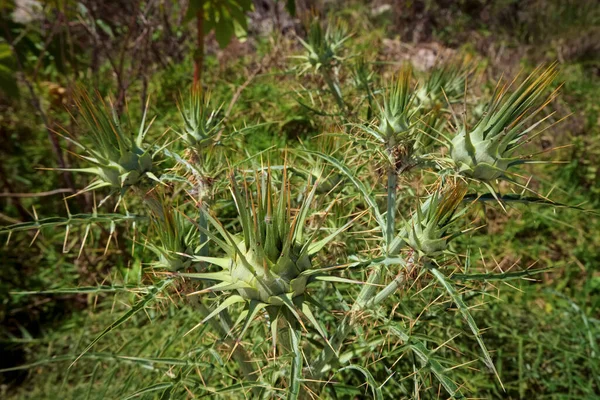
200	121
396	113
178	239
486	151
362	77
269	264
428	230
323	47
445	84
119	156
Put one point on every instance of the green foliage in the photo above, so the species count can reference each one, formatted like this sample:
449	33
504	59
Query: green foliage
226	17
337	262
200	121
8	77
428	232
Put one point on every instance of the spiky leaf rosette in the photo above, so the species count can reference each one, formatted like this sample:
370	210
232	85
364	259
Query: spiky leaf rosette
177	237
445	84
200	121
119	156
323	47
396	113
428	230
486	151
362	77
269	264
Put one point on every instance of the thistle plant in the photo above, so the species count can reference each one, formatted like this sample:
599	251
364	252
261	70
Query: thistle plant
201	122
177	237
323	47
445	84
257	260
487	150
396	112
324	53
396	129
118	156
269	264
363	81
428	231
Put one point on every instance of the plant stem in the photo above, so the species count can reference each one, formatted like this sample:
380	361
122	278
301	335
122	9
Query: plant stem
239	354
367	292
394	285
391	206
334	88
199	54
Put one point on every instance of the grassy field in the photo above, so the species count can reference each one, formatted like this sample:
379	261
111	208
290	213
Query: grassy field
541	327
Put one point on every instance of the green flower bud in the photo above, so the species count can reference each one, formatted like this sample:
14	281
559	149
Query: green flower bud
118	157
486	151
428	230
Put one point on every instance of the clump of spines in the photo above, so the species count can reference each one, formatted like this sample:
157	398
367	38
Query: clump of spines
269	264
200	121
396	112
486	151
428	231
324	46
120	159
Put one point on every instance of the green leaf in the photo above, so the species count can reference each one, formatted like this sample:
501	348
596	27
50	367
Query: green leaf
337	279
224	31
519	198
375	389
193	7
290	6
76	219
357	183
225	304
296	371
253	309
506	276
88	289
8	78
313	320
139	306
152	388
223	262
211	276
467	316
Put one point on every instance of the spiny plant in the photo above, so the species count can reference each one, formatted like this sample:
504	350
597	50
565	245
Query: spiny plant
396	112
257	260
486	151
363	79
324	53
269	264
428	231
323	47
177	237
444	85
119	157
201	122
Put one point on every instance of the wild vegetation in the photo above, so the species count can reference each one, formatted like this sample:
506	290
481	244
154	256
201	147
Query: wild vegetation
269	200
